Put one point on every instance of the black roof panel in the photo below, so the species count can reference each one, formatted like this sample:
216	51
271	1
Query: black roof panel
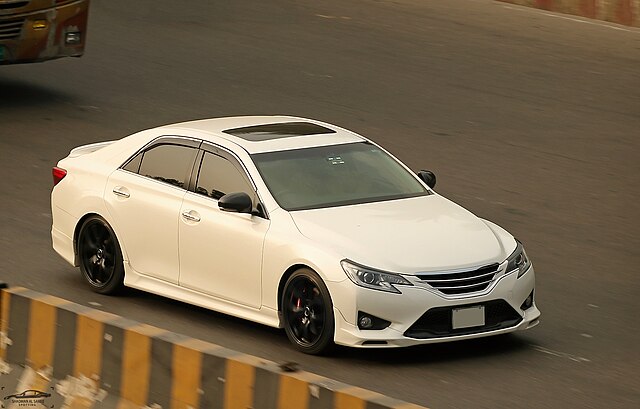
257	133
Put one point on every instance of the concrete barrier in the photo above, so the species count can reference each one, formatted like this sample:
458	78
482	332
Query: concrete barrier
57	354
625	12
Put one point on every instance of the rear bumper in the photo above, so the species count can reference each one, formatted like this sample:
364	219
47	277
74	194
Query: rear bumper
62	230
44	34
404	310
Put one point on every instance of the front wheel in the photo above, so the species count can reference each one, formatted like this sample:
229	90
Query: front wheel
100	256
308	312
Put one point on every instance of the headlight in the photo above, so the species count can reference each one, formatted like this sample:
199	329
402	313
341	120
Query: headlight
374	279
518	260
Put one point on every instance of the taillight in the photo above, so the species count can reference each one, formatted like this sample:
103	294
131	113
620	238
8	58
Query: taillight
58	174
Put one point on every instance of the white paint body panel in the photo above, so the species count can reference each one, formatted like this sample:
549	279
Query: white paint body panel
428	233
146	223
234	263
221	255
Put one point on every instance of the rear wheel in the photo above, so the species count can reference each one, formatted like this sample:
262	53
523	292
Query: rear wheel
308	312
100	256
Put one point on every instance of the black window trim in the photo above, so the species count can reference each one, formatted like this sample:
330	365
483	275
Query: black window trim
202	147
163	140
231	157
235	160
167	140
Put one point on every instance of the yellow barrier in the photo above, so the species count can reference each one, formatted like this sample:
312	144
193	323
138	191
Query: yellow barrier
60	354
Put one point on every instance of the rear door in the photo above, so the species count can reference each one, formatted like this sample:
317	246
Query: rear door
144	198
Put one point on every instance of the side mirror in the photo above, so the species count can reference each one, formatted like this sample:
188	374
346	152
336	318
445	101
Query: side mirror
236	202
427	177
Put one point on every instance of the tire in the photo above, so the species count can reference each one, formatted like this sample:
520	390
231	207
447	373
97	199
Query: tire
100	256
307	313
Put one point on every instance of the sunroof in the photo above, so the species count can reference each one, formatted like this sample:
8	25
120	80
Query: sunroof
257	133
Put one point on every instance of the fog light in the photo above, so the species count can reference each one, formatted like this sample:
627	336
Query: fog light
368	321
39	24
528	302
72	38
365	322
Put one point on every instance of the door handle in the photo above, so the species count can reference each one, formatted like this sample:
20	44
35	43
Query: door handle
191	215
121	191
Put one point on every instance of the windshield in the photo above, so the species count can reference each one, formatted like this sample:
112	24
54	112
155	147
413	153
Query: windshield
335	175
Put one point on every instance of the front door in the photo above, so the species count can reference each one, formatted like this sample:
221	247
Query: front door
221	252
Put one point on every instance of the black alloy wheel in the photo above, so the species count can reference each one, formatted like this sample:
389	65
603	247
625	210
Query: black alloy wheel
100	256
308	312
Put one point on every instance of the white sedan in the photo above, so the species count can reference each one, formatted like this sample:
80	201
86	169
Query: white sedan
292	223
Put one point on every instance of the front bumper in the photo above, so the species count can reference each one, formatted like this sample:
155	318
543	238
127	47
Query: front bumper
406	309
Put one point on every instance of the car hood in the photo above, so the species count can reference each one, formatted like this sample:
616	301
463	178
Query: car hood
428	233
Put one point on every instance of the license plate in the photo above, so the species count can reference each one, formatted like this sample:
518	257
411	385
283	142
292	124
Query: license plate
2	53
468	317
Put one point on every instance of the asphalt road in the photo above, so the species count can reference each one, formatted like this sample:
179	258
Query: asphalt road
529	120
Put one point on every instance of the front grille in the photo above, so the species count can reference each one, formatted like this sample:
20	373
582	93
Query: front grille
437	322
10	29
13	5
463	282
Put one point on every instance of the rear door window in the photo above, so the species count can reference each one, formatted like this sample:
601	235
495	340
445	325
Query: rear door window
167	163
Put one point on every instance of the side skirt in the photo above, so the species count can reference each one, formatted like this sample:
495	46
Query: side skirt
263	315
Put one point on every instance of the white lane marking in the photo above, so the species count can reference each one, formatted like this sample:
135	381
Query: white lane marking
577	20
559	354
317	75
588	22
333	17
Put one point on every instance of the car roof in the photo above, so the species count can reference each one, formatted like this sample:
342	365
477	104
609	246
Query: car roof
257	134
